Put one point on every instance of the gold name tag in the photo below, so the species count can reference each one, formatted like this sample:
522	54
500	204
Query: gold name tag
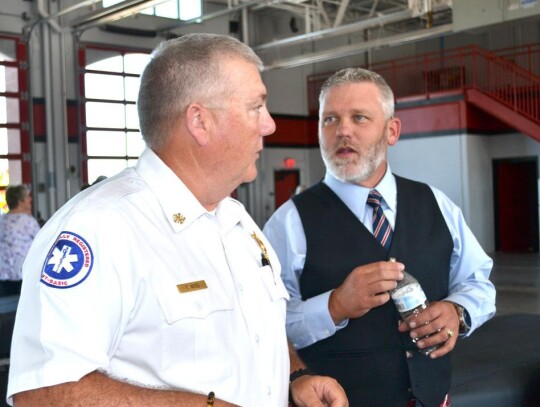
194	286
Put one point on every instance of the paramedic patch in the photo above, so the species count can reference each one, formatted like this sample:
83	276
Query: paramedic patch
68	263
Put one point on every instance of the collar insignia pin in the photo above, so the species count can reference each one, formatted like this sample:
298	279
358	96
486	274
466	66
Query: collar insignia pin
179	218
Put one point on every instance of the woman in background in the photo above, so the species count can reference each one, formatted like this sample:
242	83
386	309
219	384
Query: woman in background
17	231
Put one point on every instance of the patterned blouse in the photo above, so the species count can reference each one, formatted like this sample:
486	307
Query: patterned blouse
17	231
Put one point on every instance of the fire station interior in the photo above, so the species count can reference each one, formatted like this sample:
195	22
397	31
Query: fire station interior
466	78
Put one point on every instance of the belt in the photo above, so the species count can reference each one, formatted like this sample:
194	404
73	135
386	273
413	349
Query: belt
444	403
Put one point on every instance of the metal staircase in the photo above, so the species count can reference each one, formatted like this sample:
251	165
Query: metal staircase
497	84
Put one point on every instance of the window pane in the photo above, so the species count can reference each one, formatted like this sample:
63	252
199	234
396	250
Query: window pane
110	115
190	9
7	50
132	163
135	63
4	172
132	88
104	86
106	143
100	60
3	141
132	118
3	204
107	167
10	172
135	144
9	110
11	77
10	141
109	3
168	9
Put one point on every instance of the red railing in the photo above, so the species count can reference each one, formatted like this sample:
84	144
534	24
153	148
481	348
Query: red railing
440	74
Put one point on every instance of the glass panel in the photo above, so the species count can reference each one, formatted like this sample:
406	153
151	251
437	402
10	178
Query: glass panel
104	86
15	172
135	63
110	115
132	88
7	50
3	141
135	144
132	117
109	3
2	78
190	9
132	163
150	11
11	75
106	143
101	60
3	204
107	167
168	9
3	110
14	141
12	110
4	172
10	141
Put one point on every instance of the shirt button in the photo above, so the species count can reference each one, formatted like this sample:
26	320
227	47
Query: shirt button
269	390
409	354
257	338
198	306
240	288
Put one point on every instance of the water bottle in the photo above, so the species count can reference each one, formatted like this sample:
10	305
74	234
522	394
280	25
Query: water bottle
410	300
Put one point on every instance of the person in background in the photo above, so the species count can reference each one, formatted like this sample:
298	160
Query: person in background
18	228
154	287
334	241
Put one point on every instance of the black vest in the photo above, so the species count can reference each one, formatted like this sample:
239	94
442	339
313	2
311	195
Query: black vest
369	356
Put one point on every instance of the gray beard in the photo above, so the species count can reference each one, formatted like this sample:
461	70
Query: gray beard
359	172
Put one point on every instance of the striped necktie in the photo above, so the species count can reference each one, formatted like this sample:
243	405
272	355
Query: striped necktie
381	227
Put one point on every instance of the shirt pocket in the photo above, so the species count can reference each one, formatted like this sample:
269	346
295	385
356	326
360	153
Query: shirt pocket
274	286
198	303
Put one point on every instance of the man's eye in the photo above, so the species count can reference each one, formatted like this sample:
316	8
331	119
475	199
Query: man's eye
329	119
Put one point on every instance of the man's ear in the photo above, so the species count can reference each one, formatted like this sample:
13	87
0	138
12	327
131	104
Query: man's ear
198	123
393	130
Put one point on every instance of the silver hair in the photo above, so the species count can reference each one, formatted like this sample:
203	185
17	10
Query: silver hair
182	71
361	75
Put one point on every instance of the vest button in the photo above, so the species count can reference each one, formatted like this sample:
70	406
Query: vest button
409	354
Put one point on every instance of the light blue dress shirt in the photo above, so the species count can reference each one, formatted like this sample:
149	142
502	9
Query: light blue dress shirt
310	321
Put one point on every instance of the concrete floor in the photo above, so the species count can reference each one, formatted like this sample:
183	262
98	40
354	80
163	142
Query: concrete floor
517	279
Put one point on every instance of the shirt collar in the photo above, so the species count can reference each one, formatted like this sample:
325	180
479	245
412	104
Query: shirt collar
355	196
179	205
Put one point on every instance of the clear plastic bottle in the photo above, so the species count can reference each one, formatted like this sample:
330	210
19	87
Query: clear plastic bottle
410	300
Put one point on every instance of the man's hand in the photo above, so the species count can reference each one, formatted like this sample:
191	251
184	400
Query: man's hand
364	288
318	391
440	321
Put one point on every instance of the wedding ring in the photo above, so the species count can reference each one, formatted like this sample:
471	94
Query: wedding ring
450	333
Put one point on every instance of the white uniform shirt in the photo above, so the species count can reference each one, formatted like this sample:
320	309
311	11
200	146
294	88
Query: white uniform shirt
108	296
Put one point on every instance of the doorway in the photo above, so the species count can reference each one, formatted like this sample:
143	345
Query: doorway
285	183
515	187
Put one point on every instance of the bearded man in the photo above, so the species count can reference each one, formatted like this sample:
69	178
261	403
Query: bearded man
335	240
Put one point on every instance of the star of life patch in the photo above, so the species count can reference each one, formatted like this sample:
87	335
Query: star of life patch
68	263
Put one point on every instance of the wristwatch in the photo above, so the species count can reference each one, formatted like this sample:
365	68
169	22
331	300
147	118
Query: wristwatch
464	318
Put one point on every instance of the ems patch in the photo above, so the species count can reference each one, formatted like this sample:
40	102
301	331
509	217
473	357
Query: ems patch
68	263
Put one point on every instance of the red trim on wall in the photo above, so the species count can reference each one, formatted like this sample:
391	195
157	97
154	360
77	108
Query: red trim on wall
429	118
293	131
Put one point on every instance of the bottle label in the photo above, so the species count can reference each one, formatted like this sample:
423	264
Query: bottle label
409	297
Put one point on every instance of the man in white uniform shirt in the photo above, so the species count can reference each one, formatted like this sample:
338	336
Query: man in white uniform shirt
155	288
